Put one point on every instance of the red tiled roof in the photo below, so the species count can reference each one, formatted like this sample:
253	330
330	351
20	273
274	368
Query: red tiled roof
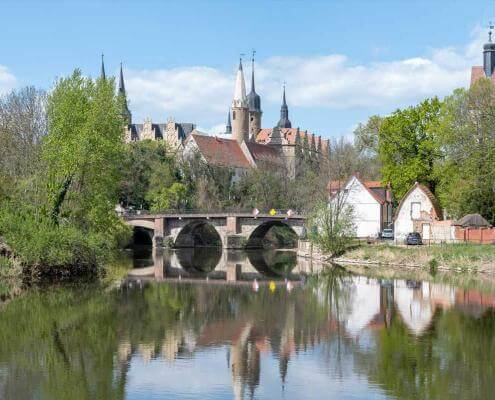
264	137
221	152
263	153
336	185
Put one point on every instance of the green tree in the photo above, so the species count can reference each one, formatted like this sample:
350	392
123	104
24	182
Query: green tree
466	171
408	146
83	151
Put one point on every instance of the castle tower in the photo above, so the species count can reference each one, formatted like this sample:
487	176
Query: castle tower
240	109
126	114
284	121
489	56
254	104
228	125
102	74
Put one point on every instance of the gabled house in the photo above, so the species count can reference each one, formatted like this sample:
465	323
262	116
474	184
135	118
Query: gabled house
419	211
371	203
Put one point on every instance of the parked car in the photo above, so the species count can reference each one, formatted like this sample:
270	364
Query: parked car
413	239
387	233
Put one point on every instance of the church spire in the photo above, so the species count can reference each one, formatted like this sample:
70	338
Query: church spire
103	75
284	121
228	126
126	113
239	99
121	82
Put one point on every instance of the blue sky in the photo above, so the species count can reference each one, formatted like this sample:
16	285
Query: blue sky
342	60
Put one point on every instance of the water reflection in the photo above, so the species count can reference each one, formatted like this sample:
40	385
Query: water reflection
221	265
335	335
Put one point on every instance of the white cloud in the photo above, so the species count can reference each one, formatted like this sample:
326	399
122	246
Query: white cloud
7	80
202	94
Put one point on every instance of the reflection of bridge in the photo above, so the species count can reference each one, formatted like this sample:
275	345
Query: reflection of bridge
234	230
223	266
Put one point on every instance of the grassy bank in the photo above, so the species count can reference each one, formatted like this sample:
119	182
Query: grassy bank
455	257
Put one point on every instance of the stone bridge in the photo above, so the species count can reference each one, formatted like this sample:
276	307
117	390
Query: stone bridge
232	230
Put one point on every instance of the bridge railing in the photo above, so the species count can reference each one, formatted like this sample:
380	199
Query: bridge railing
227	210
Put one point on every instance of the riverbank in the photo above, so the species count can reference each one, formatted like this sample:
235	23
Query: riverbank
471	258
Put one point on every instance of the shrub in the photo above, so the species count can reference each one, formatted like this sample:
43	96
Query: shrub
43	247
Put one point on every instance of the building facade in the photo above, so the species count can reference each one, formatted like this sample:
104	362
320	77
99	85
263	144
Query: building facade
279	147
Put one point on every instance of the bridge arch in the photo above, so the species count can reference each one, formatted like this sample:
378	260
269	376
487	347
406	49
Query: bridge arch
199	233
283	232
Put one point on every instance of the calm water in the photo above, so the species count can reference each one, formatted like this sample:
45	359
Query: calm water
212	325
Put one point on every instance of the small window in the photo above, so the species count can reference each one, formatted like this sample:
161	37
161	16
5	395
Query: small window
415	210
233	114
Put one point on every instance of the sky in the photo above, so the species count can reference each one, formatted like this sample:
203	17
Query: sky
342	61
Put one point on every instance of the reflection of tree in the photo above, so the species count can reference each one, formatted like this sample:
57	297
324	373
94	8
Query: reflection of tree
81	342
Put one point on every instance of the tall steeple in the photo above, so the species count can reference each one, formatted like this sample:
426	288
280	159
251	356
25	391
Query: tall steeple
240	99
284	121
126	114
228	126
489	54
254	104
240	109
102	75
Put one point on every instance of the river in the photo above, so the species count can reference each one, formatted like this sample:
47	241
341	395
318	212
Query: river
208	324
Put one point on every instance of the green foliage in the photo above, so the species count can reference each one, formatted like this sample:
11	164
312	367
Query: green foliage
331	227
48	248
83	151
408	146
466	172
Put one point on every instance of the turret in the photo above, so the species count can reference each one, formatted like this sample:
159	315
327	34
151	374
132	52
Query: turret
240	110
126	114
489	55
254	104
284	121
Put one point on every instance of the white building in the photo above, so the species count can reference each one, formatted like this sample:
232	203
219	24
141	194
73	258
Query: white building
370	202
419	211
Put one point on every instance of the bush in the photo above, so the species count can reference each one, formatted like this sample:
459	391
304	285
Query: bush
331	227
43	247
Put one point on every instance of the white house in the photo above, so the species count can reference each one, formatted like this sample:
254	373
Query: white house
419	211
370	201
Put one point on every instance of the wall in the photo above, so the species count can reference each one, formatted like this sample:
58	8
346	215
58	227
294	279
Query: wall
476	235
404	223
367	211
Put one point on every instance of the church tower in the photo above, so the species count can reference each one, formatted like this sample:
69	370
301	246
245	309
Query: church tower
284	121
254	104
240	109
126	114
489	56
102	74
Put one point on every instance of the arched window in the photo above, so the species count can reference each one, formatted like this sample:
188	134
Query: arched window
233	114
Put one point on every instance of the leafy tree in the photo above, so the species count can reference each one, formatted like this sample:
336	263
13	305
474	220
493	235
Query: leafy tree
331	225
408	146
466	171
83	151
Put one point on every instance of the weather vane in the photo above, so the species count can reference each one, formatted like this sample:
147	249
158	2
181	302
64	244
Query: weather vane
241	55
490	27
254	53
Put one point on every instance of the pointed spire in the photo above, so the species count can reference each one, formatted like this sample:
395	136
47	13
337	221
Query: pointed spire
103	75
126	113
284	121
252	72
121	81
228	126
239	99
